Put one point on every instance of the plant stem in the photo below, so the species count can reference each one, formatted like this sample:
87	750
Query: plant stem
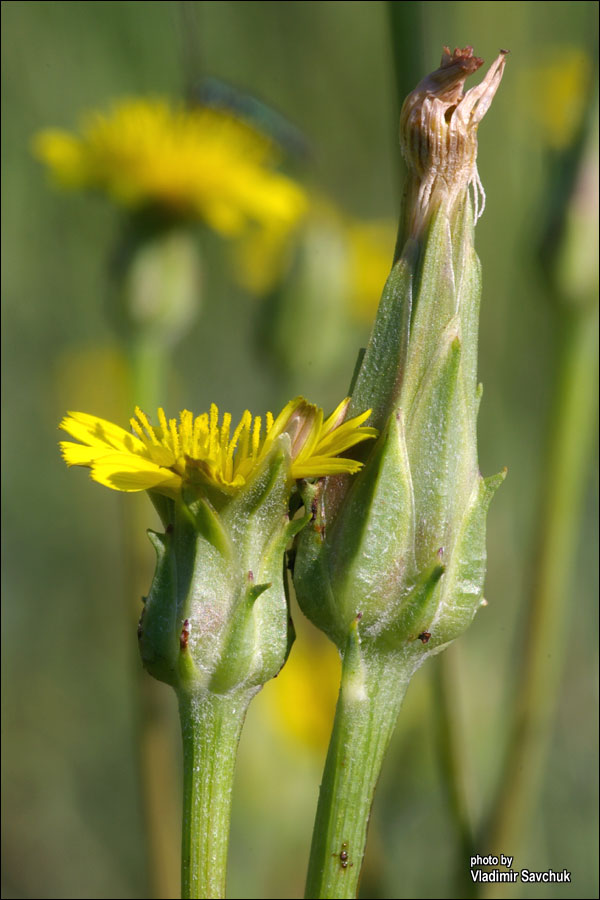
210	725
453	755
149	363
369	701
156	720
572	432
573	267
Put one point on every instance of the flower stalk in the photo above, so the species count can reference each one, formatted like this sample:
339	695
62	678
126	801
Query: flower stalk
371	693
215	624
392	565
210	725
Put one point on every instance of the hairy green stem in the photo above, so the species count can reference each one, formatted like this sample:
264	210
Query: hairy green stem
368	705
210	725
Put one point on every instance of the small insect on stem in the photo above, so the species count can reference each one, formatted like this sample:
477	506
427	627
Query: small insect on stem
317	509
424	636
185	635
343	856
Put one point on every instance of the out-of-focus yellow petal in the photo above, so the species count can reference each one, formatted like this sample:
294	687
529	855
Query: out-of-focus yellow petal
64	155
199	163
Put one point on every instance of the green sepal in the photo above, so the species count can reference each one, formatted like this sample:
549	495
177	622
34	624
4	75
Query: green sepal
418	608
441	451
387	347
208	524
371	543
434	298
447	286
259	511
355	680
462	587
239	647
467	274
310	575
395	542
157	627
163	505
217	615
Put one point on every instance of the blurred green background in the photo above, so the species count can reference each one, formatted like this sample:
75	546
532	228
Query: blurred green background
73	822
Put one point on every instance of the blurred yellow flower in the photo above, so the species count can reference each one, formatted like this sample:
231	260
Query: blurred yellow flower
300	702
200	450
366	248
189	163
371	255
558	92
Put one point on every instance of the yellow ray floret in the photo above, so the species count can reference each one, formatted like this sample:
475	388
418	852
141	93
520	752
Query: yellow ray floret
195	450
200	163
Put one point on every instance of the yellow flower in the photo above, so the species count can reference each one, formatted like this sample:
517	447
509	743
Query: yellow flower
263	257
300	702
557	92
371	251
190	163
200	450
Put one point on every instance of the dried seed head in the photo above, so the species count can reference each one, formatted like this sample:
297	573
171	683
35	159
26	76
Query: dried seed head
438	134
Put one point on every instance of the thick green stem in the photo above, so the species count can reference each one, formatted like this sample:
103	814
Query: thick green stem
370	696
210	725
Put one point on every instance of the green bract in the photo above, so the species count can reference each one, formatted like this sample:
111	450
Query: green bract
402	548
216	618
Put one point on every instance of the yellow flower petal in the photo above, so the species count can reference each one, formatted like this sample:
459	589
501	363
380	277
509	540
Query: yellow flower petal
125	472
99	432
79	454
200	450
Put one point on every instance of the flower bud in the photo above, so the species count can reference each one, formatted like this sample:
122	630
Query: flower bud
216	617
438	134
401	549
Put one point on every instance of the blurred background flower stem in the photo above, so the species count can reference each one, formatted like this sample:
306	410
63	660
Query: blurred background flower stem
453	754
551	622
153	273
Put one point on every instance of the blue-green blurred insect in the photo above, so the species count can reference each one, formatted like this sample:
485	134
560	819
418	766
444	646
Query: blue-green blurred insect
217	94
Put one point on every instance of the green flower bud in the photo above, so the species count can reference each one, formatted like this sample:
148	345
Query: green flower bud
402	547
159	279
216	617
